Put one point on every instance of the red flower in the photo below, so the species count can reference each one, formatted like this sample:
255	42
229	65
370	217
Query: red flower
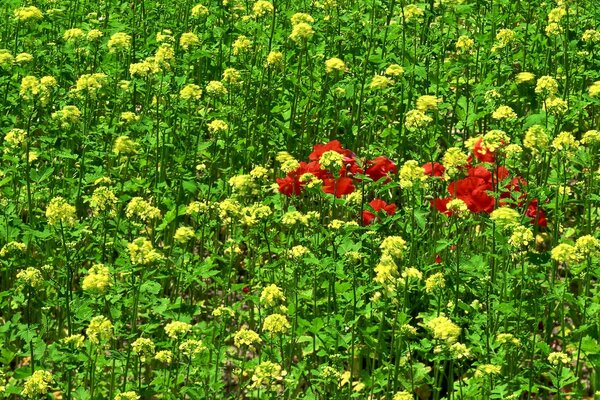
473	191
377	205
438	259
339	187
291	185
537	214
441	205
433	169
380	167
334	145
482	153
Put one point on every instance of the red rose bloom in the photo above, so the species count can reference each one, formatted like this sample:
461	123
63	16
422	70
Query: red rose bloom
334	145
434	169
537	215
483	154
380	167
377	205
338	187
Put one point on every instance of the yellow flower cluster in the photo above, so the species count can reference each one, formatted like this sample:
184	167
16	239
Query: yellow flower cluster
565	141
28	14
216	88
507	338
274	59
411	174
594	89
458	208
262	8
119	42
191	347
412	12
241	45
503	38
218	126
141	252
190	92
199	10
536	139
297	252
90	84
37	384
268	376
125	145
100	329
558	358
177	329
464	44
76	341
435	281
103	200
546	85
60	212
504	112
331	160
403	395
33	88
164	356
394	246
335	65
188	40
301	28
67	116
276	323
442	328
32	277
416	119
505	217
523	77
252	215
130	395
487	369
246	338
565	253
271	295
73	34
183	234
138	207
591	137
555	105
15	137
12	248
521	237
427	103
380	82
144	347
453	160
587	246
97	279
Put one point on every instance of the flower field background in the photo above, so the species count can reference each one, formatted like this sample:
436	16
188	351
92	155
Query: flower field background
299	199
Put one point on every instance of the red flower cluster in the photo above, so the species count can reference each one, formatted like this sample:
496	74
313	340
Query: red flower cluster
475	190
380	207
340	184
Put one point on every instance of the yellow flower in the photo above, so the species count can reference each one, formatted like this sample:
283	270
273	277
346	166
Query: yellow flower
505	217
276	323
594	89
100	329
177	329
164	356
556	105
442	328
394	246
458	208
416	119
427	103
124	145
394	70
403	395
27	14
216	88
335	65
454	159
565	141
546	85
487	369
380	82
300	18
94	35
191	92
412	12
217	126
536	139
184	234
301	32
558	357
331	160
60	212
504	112
141	208
232	75
464	43
271	295
435	281
523	77
119	42
246	337
274	59
521	237
267	375
23	58
73	34
241	45
565	253
32	277
587	246
143	347
591	137
37	384
97	279
141	252
199	10
411	173
262	7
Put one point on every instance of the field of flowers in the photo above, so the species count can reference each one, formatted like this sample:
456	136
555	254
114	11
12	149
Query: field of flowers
299	199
